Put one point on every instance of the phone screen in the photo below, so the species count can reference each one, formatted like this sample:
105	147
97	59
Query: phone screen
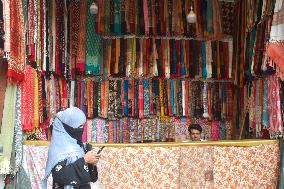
100	150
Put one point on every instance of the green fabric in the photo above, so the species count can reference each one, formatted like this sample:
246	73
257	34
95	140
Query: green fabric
7	130
117	21
93	54
209	16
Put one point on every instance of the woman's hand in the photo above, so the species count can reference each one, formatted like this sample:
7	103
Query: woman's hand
92	157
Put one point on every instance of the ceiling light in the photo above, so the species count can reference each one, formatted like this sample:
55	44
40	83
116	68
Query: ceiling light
191	17
94	8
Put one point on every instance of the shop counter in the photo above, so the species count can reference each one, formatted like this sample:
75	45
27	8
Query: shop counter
208	164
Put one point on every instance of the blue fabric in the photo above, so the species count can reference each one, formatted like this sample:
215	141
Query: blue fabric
121	130
62	145
172	96
114	132
174	58
265	111
125	98
183	70
146	98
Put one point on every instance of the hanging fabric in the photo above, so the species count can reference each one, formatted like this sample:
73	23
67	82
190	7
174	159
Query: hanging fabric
17	42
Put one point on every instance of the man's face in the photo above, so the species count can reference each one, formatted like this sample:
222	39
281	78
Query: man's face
195	135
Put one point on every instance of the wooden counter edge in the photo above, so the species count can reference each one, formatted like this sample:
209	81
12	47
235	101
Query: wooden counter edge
243	143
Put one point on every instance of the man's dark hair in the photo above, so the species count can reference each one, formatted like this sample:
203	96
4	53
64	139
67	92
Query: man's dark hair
195	126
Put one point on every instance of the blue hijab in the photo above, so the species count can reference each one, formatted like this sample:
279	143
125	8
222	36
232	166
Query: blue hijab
62	145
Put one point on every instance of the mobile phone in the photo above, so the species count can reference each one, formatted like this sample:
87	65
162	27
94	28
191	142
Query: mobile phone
100	150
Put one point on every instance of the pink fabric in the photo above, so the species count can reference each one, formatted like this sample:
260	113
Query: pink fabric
84	137
100	131
27	100
215	130
54	94
274	106
141	101
89	130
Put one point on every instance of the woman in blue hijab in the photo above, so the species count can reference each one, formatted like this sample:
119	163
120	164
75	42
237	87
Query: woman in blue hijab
69	163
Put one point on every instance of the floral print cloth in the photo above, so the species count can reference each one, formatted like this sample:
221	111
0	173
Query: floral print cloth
184	167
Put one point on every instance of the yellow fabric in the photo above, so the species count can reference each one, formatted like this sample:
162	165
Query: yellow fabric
162	98
117	54
108	59
36	100
106	98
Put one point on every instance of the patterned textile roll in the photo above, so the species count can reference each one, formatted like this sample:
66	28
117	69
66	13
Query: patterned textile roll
18	133
98	97
205	100
105	131
222	130
146	98
94	130
133	130
111	100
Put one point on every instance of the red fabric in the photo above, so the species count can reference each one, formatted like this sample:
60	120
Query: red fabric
17	54
64	99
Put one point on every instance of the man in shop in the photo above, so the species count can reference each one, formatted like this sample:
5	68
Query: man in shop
195	131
